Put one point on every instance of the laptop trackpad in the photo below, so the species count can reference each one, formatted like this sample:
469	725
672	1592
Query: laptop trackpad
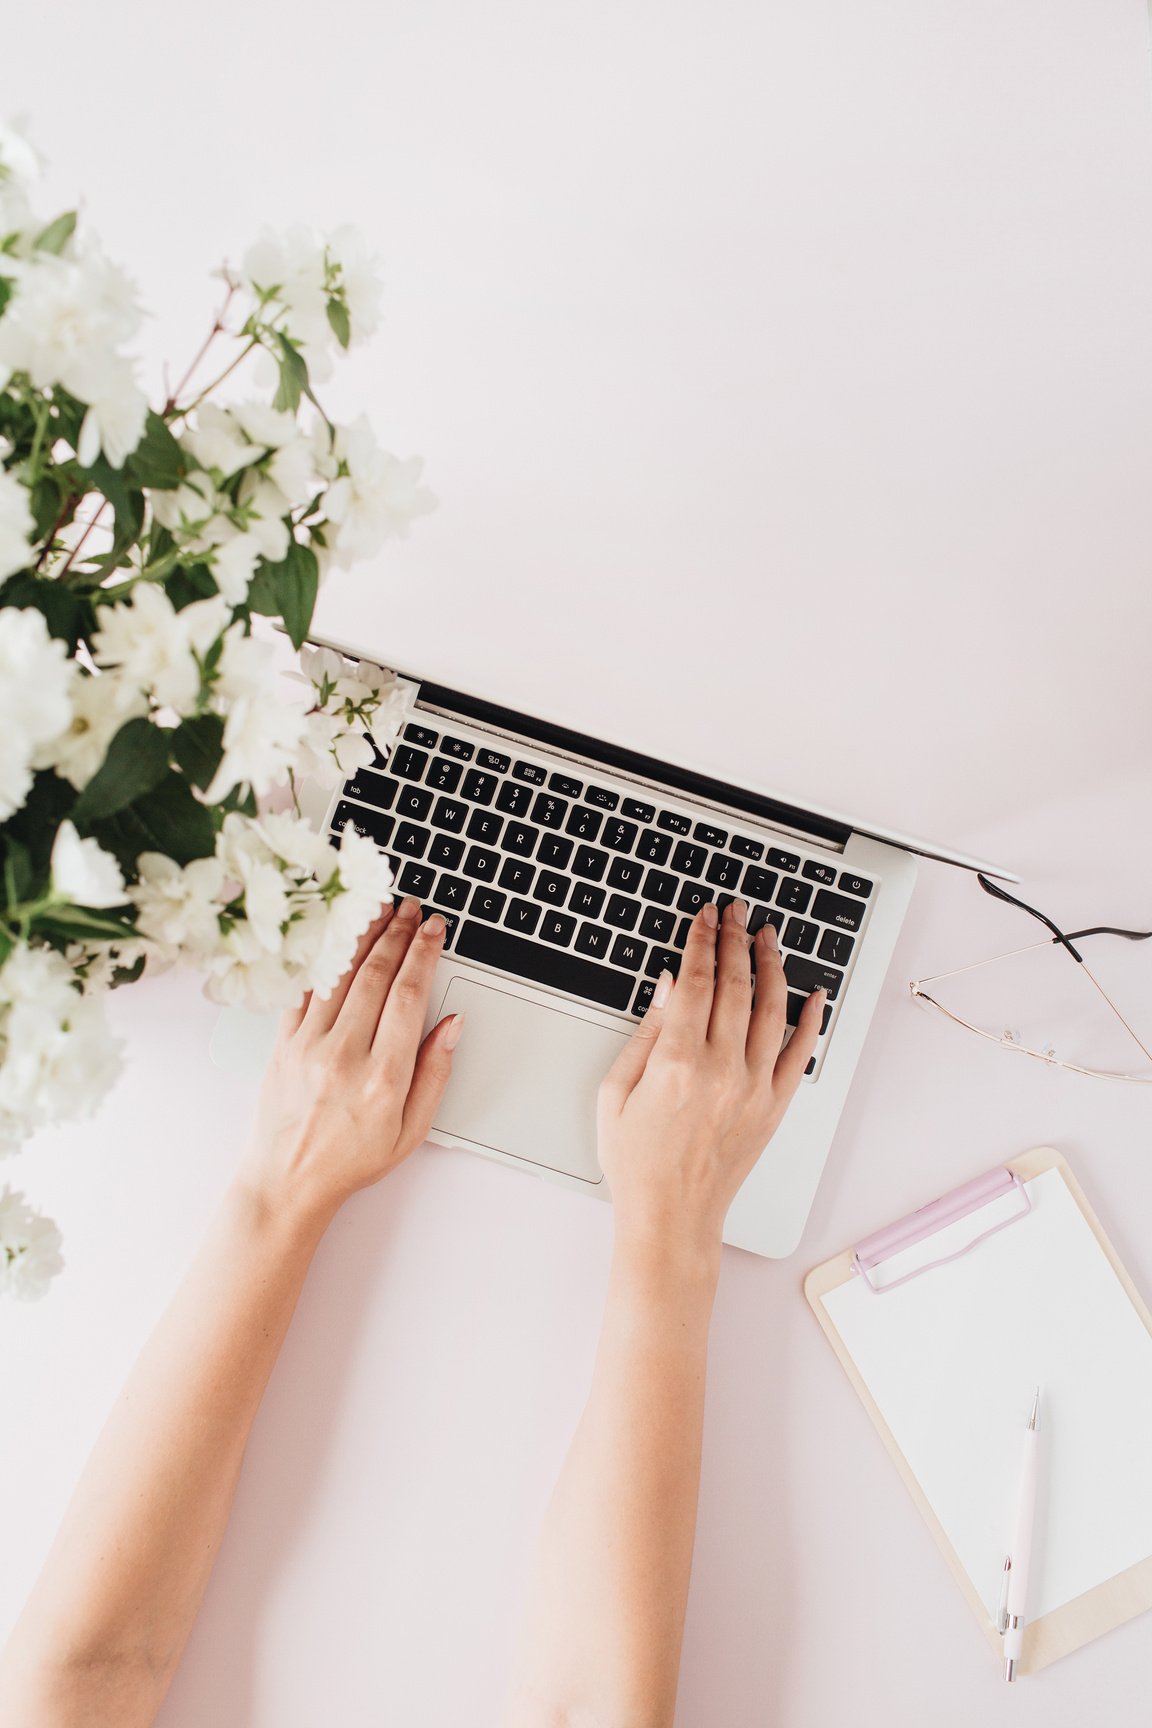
524	1078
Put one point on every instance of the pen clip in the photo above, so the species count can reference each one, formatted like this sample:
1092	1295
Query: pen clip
1002	1610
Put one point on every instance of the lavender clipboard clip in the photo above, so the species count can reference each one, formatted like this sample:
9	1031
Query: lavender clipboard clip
949	1209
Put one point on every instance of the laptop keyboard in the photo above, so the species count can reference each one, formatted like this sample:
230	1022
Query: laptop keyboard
544	874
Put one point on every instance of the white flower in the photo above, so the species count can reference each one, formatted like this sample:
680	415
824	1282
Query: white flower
234	565
375	497
57	1056
35	675
353	273
29	1249
16	525
96	963
293	470
265	507
290	270
156	648
269	427
63	325
83	873
186	510
218	441
179	908
261	732
101	704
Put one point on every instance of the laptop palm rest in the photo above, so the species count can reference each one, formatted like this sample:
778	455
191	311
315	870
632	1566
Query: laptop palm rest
524	1079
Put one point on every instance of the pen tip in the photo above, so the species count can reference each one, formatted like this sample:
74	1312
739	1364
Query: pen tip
1034	1418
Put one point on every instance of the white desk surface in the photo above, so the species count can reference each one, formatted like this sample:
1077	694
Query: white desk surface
784	372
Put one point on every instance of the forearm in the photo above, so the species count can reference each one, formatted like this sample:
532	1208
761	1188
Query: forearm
606	1614
109	1617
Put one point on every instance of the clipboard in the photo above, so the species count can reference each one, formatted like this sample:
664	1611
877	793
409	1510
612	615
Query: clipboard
974	1233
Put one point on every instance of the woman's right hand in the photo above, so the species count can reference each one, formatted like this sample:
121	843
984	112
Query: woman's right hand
701	1086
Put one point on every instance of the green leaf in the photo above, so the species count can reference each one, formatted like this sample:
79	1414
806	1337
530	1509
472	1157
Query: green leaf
79	924
293	376
34	825
47	498
189	582
198	746
295	582
126	500
19	876
157	460
56	236
169	819
67	613
137	759
340	322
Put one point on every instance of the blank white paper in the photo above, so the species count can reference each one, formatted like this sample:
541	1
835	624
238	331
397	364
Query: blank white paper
952	1360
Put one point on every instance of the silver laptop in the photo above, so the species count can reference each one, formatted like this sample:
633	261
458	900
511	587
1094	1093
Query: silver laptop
568	869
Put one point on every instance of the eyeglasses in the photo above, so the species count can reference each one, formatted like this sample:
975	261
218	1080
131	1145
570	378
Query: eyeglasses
1059	939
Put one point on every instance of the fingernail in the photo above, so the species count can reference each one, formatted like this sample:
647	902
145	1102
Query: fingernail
455	1027
709	915
434	926
770	936
409	907
820	991
740	913
662	991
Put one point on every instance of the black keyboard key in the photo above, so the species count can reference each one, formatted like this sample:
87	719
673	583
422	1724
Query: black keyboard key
513	798
600	796
421	735
618	836
688	860
658	923
758	915
480	788
549	811
858	885
625	873
452	891
449	814
589	863
416	879
684	932
835	909
709	836
794	895
673	822
586	900
517	875
746	848
796	1003
801	935
663	960
653	847
371	788
637	811
817	872
595	940
487	903
723	871
445	852
444	775
628	951
642	1000
783	860
414	802
554	850
530	772
481	864
545	965
493	761
622	912
485	825
373	824
693	895
584	823
411	841
836	946
659	886
451	919
407	763
557	927
758	884
551	888
566	787
458	747
520	839
808	975
522	917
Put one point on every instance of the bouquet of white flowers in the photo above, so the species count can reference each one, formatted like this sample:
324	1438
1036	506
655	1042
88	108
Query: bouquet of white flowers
144	728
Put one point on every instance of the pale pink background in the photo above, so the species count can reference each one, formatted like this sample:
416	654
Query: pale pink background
785	375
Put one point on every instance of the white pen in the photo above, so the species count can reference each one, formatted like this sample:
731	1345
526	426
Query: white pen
1015	1583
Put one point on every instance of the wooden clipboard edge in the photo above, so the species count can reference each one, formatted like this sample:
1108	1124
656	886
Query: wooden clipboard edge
1086	1617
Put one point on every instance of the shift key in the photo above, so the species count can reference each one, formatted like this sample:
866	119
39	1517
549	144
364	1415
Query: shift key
809	975
837	909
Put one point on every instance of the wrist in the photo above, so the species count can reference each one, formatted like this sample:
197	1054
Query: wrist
660	1260
297	1221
